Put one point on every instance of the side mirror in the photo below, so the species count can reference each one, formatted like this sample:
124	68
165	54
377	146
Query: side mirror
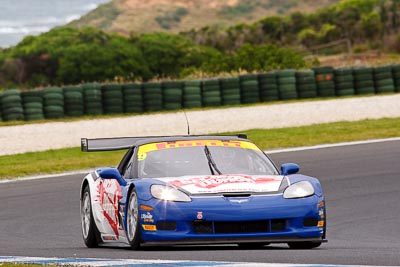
289	168
112	173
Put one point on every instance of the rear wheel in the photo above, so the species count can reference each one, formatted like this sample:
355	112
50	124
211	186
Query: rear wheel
133	230
304	245
90	233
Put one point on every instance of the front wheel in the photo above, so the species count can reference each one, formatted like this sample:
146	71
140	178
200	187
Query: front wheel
90	233
304	245
133	230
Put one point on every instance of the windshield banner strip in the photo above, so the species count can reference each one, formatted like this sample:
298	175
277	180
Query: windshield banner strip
193	143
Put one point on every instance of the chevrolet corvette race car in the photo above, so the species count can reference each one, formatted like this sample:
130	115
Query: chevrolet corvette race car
198	190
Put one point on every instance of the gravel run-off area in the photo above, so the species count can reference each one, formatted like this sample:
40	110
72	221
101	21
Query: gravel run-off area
55	135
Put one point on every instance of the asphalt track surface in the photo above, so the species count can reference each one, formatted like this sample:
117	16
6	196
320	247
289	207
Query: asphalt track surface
361	183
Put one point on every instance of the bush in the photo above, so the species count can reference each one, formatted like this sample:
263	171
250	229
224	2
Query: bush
238	10
168	19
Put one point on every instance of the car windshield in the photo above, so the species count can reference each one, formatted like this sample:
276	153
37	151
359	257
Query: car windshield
202	157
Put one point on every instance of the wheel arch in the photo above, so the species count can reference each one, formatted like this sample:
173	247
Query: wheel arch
88	180
131	188
128	192
83	186
93	238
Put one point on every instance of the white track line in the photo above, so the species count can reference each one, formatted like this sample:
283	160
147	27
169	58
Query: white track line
153	263
332	145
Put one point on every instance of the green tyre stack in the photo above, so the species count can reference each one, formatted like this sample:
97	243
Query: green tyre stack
363	80
268	85
383	79
192	94
92	98
73	101
306	85
152	96
396	76
133	98
11	105
250	92
32	102
287	84
172	95
211	93
112	99
344	81
324	77
230	91
53	103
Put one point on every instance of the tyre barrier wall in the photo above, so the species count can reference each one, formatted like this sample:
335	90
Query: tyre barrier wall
211	93
306	84
324	78
97	99
287	84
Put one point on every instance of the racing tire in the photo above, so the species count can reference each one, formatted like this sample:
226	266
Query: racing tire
90	233
304	245
132	221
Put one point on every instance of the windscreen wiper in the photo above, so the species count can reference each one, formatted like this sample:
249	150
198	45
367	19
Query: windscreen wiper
211	162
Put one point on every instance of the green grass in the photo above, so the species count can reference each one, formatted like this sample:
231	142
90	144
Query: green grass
58	161
55	161
328	133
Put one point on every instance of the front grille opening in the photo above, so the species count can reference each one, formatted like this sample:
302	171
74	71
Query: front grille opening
241	227
202	227
309	222
262	226
278	225
236	195
164	225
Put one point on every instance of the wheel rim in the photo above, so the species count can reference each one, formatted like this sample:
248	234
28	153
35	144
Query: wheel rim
86	215
132	216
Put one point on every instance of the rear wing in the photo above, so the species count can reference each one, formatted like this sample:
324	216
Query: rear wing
108	144
121	143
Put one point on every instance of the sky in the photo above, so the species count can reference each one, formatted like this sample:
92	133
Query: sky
32	17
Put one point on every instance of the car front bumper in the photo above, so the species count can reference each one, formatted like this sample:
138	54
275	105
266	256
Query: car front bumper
217	220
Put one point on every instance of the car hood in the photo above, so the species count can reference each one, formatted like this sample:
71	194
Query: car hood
225	183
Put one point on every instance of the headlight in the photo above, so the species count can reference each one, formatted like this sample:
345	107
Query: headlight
168	193
299	190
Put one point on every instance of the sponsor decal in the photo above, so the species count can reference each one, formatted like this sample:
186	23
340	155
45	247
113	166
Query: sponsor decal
147	217
199	215
321	213
239	201
147	208
109	195
214	181
149	227
109	238
144	149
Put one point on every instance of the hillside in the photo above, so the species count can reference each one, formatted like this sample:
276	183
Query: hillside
126	16
340	32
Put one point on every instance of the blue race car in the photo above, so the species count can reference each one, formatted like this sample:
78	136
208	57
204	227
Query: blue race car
198	190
